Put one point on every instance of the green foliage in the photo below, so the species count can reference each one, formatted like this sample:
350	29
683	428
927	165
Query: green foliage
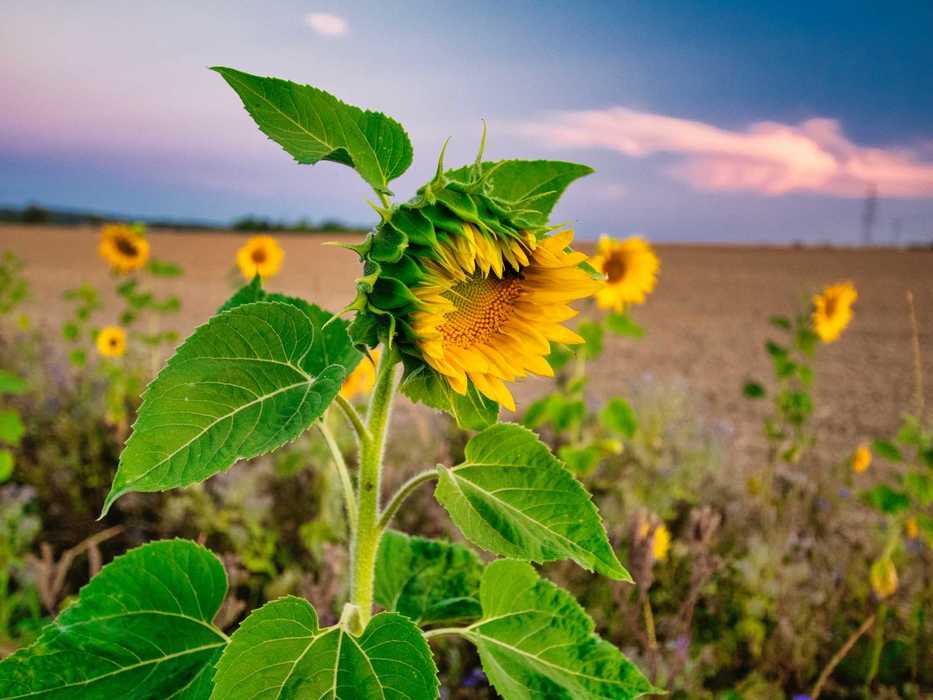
754	390
886	499
618	416
245	383
472	411
535	641
887	449
622	324
280	651
312	125
14	289
514	498
428	581
140	629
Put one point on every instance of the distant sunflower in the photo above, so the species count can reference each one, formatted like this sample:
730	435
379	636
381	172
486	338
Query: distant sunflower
362	378
883	578
660	541
123	247
832	310
111	341
488	308
631	270
911	528
861	459
260	255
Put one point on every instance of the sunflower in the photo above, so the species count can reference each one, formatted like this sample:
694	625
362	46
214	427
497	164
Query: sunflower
362	378
660	540
123	247
111	341
471	288
488	312
260	255
861	459
883	578
631	270
832	310
911	528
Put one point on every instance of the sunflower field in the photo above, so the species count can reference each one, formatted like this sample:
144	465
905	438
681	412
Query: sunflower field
426	490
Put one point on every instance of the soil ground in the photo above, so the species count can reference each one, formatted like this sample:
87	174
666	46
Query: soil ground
707	321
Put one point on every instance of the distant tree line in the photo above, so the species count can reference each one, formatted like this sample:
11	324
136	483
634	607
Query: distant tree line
38	214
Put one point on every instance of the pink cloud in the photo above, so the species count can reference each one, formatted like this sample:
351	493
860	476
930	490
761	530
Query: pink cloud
768	157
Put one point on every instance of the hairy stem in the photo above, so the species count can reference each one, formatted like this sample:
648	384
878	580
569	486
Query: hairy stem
346	482
404	491
353	418
367	535
447	632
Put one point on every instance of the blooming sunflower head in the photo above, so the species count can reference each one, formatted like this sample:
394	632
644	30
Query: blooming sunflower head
861	459
470	282
123	247
631	270
832	310
260	255
361	380
111	341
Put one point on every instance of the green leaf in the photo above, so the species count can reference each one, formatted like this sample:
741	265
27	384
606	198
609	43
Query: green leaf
11	384
140	629
472	411
313	125
427	581
617	415
513	497
580	460
886	499
888	450
535	641
920	486
536	185
11	427
781	322
592	334
245	383
280	652
753	390
6	465
163	268
620	324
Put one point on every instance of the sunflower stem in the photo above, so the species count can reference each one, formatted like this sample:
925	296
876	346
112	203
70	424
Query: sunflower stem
367	535
353	417
404	491
346	482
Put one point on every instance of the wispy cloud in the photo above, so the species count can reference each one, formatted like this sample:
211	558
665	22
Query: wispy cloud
768	157
326	24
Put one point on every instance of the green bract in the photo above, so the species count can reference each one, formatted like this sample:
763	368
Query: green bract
262	371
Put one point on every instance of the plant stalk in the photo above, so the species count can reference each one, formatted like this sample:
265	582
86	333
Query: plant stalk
367	535
404	491
840	655
346	482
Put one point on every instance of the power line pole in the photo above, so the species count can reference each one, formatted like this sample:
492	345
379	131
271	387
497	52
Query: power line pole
869	213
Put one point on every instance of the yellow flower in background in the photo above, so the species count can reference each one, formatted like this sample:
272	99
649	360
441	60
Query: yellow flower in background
631	269
123	247
660	541
861	459
362	378
832	310
260	255
111	341
911	529
883	577
488	309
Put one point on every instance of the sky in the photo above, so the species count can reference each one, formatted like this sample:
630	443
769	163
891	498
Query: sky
713	122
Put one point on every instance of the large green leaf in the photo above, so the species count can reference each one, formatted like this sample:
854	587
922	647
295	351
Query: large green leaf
535	641
535	185
245	383
473	411
428	581
140	629
313	125
280	653
11	384
513	497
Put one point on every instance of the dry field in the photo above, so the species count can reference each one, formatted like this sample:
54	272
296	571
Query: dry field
706	322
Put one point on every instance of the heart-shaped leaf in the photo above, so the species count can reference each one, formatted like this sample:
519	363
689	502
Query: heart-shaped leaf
280	652
535	641
428	581
140	629
248	381
313	125
513	497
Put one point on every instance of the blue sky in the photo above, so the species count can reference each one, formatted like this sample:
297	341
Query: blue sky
756	122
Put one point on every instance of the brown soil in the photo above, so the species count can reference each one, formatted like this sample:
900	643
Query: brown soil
707	321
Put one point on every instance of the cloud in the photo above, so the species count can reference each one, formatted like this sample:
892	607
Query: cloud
768	157
326	24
